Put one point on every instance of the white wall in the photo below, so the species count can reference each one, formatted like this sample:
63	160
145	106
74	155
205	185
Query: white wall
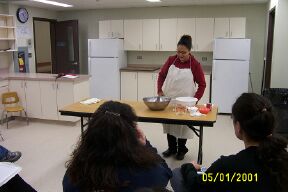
28	27
255	30
279	73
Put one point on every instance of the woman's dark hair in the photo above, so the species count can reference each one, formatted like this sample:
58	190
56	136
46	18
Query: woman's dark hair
110	142
185	40
257	120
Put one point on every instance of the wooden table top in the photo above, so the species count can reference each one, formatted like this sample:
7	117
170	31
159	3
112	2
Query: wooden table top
146	115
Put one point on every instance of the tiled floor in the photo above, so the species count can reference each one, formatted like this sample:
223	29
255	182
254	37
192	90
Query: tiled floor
46	147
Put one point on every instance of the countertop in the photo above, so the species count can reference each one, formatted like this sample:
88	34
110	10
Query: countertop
137	67
41	77
153	68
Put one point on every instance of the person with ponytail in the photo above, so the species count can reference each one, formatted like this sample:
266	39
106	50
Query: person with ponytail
261	166
114	155
178	78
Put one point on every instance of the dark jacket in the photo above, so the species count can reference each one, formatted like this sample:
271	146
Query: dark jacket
242	172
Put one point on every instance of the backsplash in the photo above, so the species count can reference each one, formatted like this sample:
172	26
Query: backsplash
159	57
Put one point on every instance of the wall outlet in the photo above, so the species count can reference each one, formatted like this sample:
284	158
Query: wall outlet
139	56
204	58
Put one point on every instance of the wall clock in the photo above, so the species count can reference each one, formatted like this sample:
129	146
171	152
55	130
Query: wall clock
22	15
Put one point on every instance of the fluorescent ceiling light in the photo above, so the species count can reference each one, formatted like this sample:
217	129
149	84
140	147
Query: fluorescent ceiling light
154	1
53	3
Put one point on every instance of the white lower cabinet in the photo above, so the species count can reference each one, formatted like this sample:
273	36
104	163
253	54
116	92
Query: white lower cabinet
146	85
49	99
29	95
66	96
129	86
43	99
56	95
137	85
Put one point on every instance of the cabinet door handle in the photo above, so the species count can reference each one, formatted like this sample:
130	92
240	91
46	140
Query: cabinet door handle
112	34
25	84
160	46
57	86
214	71
152	76
135	76
231	34
226	35
156	46
139	46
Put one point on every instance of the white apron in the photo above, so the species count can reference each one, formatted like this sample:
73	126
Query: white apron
179	83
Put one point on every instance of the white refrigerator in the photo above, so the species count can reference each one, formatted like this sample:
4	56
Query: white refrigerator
105	58
230	71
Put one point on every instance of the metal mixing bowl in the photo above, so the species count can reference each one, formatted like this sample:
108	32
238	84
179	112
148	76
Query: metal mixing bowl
157	103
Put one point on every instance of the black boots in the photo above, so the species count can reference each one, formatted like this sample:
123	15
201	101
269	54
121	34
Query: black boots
172	146
182	149
172	150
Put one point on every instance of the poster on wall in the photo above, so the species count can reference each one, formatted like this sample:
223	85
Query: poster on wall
21	61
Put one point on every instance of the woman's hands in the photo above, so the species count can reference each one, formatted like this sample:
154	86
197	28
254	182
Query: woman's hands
140	135
160	93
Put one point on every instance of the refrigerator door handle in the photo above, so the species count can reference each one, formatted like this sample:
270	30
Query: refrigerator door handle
214	71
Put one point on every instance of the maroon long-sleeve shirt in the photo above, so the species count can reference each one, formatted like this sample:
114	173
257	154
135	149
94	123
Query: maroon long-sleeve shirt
196	69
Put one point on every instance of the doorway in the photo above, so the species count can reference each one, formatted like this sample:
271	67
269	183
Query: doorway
269	51
43	44
56	46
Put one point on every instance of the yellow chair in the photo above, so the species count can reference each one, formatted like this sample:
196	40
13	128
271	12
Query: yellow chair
10	100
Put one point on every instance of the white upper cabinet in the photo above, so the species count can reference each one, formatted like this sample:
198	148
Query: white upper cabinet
168	33
104	29
117	29
237	27
186	26
230	27
111	29
133	35
204	34
221	28
150	34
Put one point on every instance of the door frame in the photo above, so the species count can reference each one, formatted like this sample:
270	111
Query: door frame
269	49
52	41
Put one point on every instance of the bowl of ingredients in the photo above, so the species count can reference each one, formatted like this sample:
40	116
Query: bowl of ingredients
186	101
157	103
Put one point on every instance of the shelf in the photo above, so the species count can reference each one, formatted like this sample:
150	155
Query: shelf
10	50
9	39
7	27
4	15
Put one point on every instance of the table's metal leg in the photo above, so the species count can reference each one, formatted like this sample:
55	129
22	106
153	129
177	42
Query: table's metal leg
199	161
82	126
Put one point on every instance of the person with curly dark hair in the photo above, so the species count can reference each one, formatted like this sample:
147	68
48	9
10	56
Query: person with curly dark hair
261	166
114	155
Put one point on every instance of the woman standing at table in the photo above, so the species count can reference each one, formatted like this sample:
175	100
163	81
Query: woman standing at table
178	78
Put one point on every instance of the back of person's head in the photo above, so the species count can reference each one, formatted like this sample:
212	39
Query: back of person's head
256	118
186	41
109	142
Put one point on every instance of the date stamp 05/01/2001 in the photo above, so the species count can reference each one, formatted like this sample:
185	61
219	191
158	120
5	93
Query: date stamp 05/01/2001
230	177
